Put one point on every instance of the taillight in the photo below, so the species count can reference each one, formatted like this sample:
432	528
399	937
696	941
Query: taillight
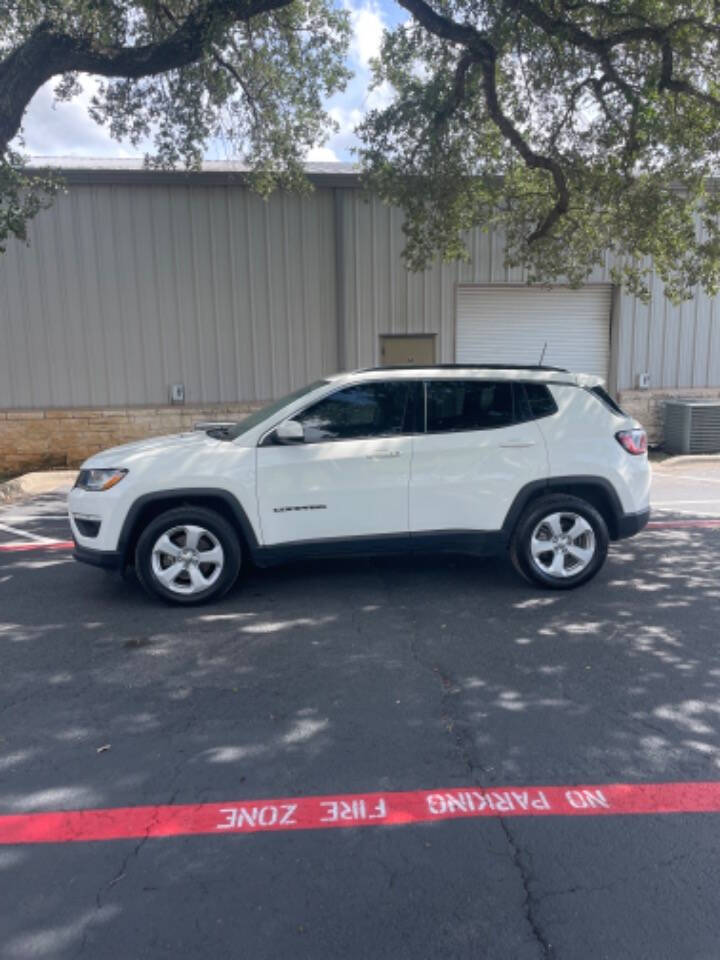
634	441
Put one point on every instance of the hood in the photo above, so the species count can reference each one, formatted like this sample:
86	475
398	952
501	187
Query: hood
152	447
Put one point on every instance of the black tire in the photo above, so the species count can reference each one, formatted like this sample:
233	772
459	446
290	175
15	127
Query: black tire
200	517
533	569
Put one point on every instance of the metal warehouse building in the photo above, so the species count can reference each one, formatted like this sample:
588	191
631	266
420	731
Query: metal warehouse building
143	287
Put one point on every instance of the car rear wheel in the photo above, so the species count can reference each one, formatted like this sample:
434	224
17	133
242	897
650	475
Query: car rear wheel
560	542
188	555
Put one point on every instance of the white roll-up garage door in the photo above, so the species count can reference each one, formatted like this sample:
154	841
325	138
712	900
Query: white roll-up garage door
506	324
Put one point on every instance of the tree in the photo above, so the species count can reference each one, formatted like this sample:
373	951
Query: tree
575	127
254	72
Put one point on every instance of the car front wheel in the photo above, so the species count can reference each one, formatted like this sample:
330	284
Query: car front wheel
560	542
188	555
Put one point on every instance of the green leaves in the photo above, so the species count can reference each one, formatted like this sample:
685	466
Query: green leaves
576	128
259	89
21	197
252	74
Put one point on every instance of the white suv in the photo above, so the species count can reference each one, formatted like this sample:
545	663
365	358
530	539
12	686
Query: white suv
479	460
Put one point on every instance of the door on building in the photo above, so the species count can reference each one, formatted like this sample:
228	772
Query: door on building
350	476
499	323
400	350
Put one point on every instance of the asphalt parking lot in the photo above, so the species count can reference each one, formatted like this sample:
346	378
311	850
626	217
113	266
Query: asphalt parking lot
334	680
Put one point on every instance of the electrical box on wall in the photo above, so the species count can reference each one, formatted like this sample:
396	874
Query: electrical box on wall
643	381
177	393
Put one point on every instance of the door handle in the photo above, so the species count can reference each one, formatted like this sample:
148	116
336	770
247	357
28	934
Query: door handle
383	455
518	443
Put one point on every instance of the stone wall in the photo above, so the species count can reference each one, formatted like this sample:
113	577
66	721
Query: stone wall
648	406
37	439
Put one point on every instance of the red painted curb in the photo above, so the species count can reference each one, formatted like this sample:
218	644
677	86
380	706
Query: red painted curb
359	810
22	547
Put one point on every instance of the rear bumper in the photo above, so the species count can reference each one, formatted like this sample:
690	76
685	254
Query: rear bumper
107	559
628	524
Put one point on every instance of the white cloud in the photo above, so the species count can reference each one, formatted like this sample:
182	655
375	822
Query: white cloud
321	155
346	117
379	97
368	21
367	24
66	129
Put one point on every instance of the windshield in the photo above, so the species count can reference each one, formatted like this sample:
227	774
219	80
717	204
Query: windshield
230	433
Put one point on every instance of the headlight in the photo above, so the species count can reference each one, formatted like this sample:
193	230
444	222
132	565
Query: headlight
99	479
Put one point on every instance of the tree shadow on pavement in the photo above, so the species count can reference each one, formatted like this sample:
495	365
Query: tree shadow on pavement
332	677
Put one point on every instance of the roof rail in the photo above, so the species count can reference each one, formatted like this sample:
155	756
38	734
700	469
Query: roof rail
464	366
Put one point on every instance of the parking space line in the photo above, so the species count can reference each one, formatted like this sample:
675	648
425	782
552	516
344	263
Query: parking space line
33	518
24	533
689	524
685	476
671	503
359	810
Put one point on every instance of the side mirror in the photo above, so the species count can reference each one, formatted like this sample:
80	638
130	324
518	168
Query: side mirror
290	431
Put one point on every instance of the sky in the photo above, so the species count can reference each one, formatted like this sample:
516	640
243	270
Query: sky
65	129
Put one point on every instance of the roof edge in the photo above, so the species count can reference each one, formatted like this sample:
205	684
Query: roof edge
121	170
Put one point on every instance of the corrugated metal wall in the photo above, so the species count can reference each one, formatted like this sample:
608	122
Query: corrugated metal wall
127	289
678	346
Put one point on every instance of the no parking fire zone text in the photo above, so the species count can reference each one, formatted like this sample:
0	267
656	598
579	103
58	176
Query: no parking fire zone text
392	808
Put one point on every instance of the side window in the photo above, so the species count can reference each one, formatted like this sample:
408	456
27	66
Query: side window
376	409
540	401
469	405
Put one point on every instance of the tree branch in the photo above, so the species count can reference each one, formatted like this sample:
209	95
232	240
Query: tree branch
534	160
222	62
602	46
481	51
669	82
447	29
48	52
451	103
457	94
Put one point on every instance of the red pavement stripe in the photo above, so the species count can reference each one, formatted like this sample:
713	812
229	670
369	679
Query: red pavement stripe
359	810
22	547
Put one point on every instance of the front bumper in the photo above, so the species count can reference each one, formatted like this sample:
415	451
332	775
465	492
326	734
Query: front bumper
107	559
628	524
96	517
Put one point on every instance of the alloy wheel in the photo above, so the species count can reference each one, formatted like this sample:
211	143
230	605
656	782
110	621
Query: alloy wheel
187	559
562	544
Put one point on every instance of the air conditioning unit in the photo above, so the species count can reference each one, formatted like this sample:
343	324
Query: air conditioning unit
692	426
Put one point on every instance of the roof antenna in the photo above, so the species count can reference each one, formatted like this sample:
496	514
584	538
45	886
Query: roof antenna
542	355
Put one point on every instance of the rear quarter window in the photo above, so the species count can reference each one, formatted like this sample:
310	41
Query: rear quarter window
539	401
606	399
